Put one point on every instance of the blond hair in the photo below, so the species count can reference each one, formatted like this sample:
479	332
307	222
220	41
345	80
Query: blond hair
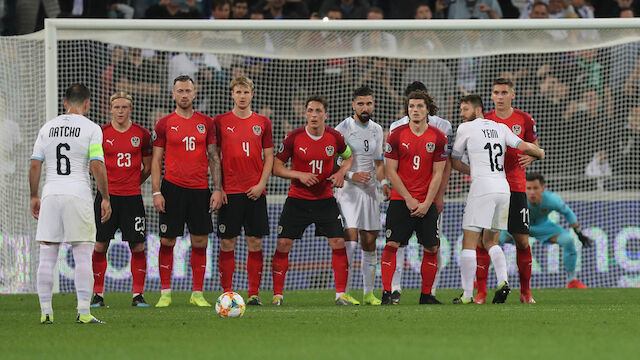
120	95
242	81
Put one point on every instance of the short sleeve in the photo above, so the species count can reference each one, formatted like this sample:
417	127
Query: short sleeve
460	144
211	131
159	135
341	145
530	131
379	152
95	145
286	148
147	148
267	136
38	148
391	148
440	153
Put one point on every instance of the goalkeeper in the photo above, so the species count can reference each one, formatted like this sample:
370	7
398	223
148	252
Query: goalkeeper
541	203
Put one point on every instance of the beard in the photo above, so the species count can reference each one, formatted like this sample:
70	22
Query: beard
364	117
188	106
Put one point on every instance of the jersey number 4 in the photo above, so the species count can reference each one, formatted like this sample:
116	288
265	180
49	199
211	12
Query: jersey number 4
493	160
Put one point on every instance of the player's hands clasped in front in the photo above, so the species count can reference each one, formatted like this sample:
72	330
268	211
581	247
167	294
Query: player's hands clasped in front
525	160
158	202
254	192
308	179
361	177
412	204
35	206
105	207
421	210
217	199
584	239
337	179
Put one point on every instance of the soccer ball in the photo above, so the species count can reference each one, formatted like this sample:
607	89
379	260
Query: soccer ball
230	304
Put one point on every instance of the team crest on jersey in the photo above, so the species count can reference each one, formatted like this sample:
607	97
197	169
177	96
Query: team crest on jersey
201	128
430	147
135	141
222	228
154	135
281	148
517	129
257	130
388	233
388	148
279	229
163	228
330	150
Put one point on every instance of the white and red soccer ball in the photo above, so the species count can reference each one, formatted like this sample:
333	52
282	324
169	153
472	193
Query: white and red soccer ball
230	305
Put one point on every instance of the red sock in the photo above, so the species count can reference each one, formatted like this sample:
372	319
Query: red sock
340	265
138	270
254	271
388	266
280	266
165	261
482	271
523	258
198	266
99	268
226	266
428	270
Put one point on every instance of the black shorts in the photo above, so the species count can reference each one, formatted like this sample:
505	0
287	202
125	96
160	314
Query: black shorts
401	225
242	211
127	214
518	213
183	205
297	214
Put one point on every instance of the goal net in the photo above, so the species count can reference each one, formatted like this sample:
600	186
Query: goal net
579	79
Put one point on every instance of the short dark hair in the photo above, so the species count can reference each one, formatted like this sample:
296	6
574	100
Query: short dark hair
183	78
473	99
540	3
375	10
216	4
319	98
416	85
428	100
77	94
362	91
503	81
533	176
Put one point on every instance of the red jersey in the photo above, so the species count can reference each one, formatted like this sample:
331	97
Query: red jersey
312	156
123	153
185	148
521	124
415	155
241	142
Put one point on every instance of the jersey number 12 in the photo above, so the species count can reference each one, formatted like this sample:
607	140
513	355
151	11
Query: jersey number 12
493	160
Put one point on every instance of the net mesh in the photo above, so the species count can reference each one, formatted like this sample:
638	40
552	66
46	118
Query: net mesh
581	86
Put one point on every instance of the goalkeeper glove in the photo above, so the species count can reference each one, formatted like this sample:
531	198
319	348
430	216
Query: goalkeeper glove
584	239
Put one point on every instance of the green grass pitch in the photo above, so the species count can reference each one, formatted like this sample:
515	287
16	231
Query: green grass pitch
564	324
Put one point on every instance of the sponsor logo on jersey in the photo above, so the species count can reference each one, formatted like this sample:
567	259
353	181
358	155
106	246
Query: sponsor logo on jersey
330	150
388	233
154	135
257	130
430	147
175	127
304	150
163	228
517	129
135	141
222	228
388	148
406	145
201	128
110	141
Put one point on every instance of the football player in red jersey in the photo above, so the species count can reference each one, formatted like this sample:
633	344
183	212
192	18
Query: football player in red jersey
127	156
416	157
186	140
245	143
523	125
312	149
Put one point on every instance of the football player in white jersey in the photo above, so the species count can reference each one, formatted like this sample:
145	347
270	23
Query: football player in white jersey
487	209
70	146
358	199
444	126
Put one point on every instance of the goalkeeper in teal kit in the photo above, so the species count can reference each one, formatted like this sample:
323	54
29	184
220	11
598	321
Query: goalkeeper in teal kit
541	203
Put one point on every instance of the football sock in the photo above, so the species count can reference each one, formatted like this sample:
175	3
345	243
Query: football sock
165	263
138	270
340	266
83	275
280	266
350	248
198	266
482	269
436	281
499	263
396	282
99	261
368	267
48	258
226	266
428	270
388	265
569	253
254	271
467	271
523	259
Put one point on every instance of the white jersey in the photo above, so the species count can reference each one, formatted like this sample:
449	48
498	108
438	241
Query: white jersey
66	145
485	141
366	143
433	120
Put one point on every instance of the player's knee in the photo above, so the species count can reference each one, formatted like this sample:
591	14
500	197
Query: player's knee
284	245
168	241
254	243
199	241
228	244
136	247
521	240
431	249
566	241
101	247
336	243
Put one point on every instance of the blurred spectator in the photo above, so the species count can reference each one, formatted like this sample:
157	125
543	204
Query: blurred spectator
172	9
626	159
559	9
121	11
334	14
284	9
599	169
582	9
30	14
527	10
437	78
626	13
351	9
475	9
509	11
612	8
85	8
118	54
422	12
632	84
240	9
375	40
221	9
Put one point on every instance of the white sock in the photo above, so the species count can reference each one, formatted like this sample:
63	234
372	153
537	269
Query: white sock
468	271
436	281
83	276
571	275
368	266
499	263
48	258
396	281
350	247
165	291
338	294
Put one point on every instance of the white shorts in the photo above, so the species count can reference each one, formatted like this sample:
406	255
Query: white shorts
359	209
66	218
490	211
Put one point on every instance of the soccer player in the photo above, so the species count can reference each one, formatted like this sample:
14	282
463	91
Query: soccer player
186	140
524	127
127	155
358	199
416	155
70	145
541	203
444	126
246	146
312	149
487	208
